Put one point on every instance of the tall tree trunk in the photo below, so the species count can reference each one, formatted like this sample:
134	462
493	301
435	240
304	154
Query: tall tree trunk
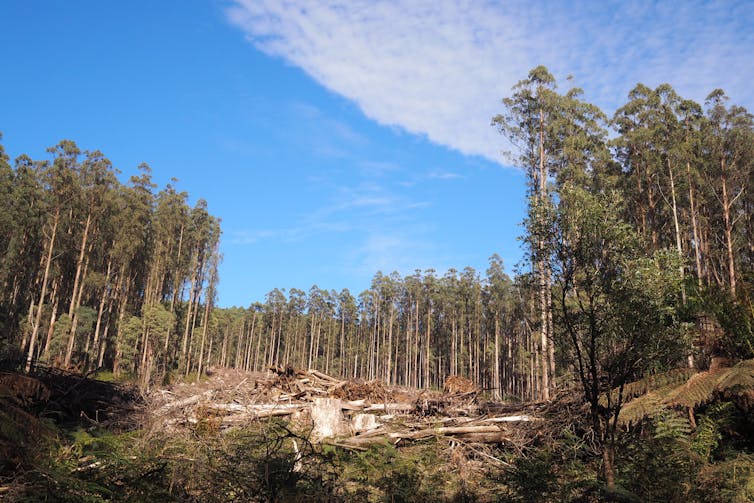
342	343
389	371
194	292
53	317
694	227
43	293
101	309
728	228
191	331
543	263
177	280
123	287
676	227
496	378
204	336
77	284
429	339
259	344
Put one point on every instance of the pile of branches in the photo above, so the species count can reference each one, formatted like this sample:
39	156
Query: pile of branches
476	429
281	392
357	413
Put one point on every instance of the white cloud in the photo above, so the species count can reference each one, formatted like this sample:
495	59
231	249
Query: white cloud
440	68
366	206
443	175
392	250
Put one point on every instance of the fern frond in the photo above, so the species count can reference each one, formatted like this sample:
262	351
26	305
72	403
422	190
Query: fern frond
646	406
672	425
649	384
657	381
697	390
700	388
738	378
709	428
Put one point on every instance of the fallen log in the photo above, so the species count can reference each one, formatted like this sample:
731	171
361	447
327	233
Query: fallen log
389	406
363	441
247	418
509	419
446	430
483	433
182	403
324	377
487	438
354	405
256	408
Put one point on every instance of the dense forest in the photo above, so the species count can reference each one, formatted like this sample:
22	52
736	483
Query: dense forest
100	274
639	243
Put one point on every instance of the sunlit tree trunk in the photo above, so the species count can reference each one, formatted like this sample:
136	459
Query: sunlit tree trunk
43	293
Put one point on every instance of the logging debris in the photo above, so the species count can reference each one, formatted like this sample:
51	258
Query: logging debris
348	413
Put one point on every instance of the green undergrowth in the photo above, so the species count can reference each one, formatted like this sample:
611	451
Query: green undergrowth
111	377
267	461
661	460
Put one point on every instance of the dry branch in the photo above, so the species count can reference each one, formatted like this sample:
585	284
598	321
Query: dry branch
334	407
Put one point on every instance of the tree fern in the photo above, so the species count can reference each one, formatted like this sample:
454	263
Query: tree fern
649	384
698	389
647	406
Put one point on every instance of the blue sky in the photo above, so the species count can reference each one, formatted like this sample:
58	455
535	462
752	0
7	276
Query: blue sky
338	139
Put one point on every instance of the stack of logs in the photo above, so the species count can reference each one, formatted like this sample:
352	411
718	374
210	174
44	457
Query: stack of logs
342	412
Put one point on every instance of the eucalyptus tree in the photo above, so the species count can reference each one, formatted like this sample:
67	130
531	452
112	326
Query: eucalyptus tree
499	300
59	189
348	316
296	327
25	211
527	122
635	122
655	145
729	148
692	120
6	200
130	250
7	230
203	234
429	291
558	137
95	180
209	300
450	304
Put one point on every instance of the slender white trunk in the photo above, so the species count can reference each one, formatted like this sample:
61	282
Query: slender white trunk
38	318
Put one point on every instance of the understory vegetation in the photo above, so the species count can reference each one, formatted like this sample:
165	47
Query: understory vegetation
662	459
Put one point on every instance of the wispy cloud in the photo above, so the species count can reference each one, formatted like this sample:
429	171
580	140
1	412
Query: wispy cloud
252	236
388	252
365	206
376	168
339	129
403	249
444	175
440	68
